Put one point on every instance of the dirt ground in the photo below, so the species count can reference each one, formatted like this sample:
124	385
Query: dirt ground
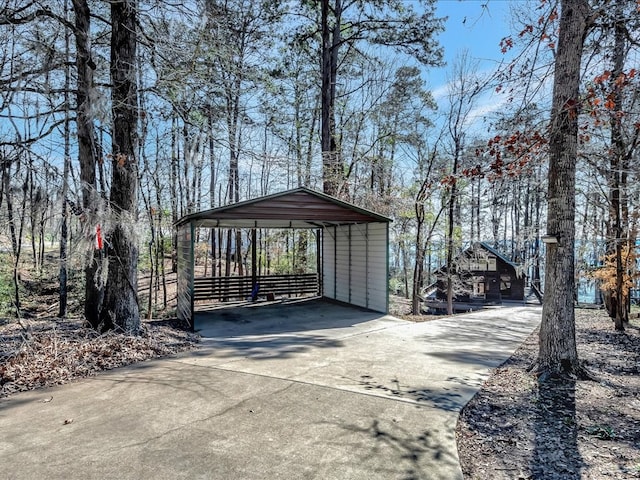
518	428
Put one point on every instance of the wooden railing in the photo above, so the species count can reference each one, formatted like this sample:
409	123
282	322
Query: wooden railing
228	288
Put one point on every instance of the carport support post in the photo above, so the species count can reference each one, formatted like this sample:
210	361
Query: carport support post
254	256
319	262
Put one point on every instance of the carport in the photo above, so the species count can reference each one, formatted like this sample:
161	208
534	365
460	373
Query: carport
353	245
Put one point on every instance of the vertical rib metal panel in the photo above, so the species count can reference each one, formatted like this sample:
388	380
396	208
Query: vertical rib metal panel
329	262
367	262
359	261
185	255
378	267
319	234
342	264
356	265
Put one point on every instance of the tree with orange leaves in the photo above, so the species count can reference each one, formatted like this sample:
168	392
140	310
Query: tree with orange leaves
608	277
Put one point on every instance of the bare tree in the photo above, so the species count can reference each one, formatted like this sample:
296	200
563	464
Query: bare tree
464	89
87	158
622	149
342	26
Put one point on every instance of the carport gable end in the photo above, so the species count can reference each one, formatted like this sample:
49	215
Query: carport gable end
354	244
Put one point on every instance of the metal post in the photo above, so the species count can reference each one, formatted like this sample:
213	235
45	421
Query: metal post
254	257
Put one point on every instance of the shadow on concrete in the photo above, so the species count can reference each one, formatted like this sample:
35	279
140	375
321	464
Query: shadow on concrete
449	398
277	329
413	455
492	341
171	375
499	330
265	347
470	357
40	396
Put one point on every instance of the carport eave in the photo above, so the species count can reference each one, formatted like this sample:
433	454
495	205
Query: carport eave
301	206
275	224
252	223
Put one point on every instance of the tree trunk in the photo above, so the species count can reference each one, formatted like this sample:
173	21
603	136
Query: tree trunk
450	227
175	191
331	163
64	232
87	158
15	239
619	313
120	307
64	235
558	353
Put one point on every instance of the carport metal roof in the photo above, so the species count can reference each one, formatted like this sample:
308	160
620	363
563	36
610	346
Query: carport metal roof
297	208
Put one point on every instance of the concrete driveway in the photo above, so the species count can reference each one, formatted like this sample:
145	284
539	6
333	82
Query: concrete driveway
302	391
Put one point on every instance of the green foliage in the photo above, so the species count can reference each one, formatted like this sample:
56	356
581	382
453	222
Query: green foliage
396	286
283	264
6	284
603	432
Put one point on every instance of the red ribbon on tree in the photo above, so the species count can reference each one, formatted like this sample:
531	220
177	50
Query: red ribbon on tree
98	237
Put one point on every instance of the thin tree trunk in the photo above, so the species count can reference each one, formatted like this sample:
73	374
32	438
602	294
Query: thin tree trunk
16	265
64	234
619	313
450	227
175	191
33	213
331	39
15	247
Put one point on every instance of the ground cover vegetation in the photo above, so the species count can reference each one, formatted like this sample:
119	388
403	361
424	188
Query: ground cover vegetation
118	118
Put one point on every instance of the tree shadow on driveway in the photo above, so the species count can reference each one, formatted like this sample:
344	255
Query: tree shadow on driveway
279	330
264	319
264	347
442	397
409	455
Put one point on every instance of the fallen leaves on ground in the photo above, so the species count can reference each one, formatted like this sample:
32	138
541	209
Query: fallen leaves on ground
53	351
518	428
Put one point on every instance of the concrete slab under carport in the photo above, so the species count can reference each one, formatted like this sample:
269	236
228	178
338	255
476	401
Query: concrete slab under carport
295	314
336	394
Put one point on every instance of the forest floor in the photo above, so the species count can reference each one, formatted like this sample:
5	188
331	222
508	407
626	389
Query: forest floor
514	428
519	428
42	350
51	351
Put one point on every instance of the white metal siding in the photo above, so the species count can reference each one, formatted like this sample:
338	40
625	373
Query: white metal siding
328	263
378	267
343	284
184	310
359	292
355	266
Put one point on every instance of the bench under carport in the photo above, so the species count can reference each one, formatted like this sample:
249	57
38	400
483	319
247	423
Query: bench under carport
353	245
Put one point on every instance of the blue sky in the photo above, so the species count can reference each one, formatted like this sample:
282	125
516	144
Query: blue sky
478	29
472	27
